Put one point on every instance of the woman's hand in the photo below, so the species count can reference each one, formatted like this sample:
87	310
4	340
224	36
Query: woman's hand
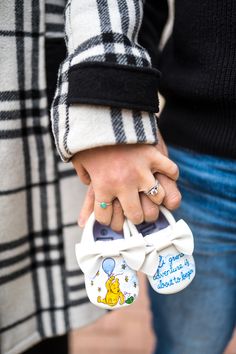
121	172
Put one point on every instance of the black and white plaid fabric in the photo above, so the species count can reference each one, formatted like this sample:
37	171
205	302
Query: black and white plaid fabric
54	20
100	31
42	291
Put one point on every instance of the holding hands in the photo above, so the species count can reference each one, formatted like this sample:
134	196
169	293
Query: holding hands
118	177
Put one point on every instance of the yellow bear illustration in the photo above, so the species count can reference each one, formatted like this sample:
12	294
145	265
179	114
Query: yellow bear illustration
113	294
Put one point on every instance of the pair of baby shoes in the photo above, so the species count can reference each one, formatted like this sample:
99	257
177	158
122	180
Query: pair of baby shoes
110	261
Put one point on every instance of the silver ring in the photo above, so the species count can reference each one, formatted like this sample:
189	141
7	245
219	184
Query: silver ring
103	205
154	190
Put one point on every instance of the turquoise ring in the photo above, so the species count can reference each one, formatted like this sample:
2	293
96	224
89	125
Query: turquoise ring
104	205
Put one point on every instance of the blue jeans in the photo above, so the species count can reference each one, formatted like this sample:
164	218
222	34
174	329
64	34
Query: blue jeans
201	318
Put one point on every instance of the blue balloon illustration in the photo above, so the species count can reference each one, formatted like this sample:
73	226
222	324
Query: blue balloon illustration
108	266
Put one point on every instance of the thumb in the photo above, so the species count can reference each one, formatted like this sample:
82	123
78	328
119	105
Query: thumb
81	172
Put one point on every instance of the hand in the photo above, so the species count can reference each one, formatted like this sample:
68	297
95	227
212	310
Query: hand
171	200
172	197
121	172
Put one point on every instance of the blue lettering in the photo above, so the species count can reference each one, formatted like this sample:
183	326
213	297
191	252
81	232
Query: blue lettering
166	284
161	262
176	258
187	274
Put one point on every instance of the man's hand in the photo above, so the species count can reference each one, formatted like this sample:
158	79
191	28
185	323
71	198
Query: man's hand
172	197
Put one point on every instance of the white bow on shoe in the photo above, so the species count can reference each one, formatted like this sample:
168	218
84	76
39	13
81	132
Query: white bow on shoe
178	235
89	256
169	263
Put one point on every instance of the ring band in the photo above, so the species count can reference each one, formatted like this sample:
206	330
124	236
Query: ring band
103	205
154	190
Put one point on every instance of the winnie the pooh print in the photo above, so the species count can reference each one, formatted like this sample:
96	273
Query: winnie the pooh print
114	294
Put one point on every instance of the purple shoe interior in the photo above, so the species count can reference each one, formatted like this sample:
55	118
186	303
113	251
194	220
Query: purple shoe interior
147	228
104	233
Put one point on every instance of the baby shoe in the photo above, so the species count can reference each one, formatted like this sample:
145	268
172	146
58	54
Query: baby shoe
169	263
109	261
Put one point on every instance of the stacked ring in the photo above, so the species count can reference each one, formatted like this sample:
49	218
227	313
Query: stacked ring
153	191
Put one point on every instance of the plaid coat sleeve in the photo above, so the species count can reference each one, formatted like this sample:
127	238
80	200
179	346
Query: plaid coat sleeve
107	89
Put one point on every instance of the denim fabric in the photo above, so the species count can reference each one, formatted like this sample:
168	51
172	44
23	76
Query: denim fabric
201	318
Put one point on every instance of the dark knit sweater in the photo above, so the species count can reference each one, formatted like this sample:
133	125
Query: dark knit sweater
198	66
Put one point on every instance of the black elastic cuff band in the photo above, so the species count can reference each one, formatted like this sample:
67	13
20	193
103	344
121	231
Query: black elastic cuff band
114	85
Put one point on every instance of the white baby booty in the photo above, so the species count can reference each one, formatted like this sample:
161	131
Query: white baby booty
109	261
169	263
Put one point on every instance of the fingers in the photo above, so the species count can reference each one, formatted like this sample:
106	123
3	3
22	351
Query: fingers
103	207
118	217
150	183
172	197
131	205
150	210
159	197
164	165
87	207
128	204
136	209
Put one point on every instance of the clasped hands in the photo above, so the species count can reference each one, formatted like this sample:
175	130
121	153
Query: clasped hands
118	175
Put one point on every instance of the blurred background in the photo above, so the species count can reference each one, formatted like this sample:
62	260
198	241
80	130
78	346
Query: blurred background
125	331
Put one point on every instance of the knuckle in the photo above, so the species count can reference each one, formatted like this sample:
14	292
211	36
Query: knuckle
129	178
120	177
174	200
98	185
110	180
137	218
151	213
102	185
